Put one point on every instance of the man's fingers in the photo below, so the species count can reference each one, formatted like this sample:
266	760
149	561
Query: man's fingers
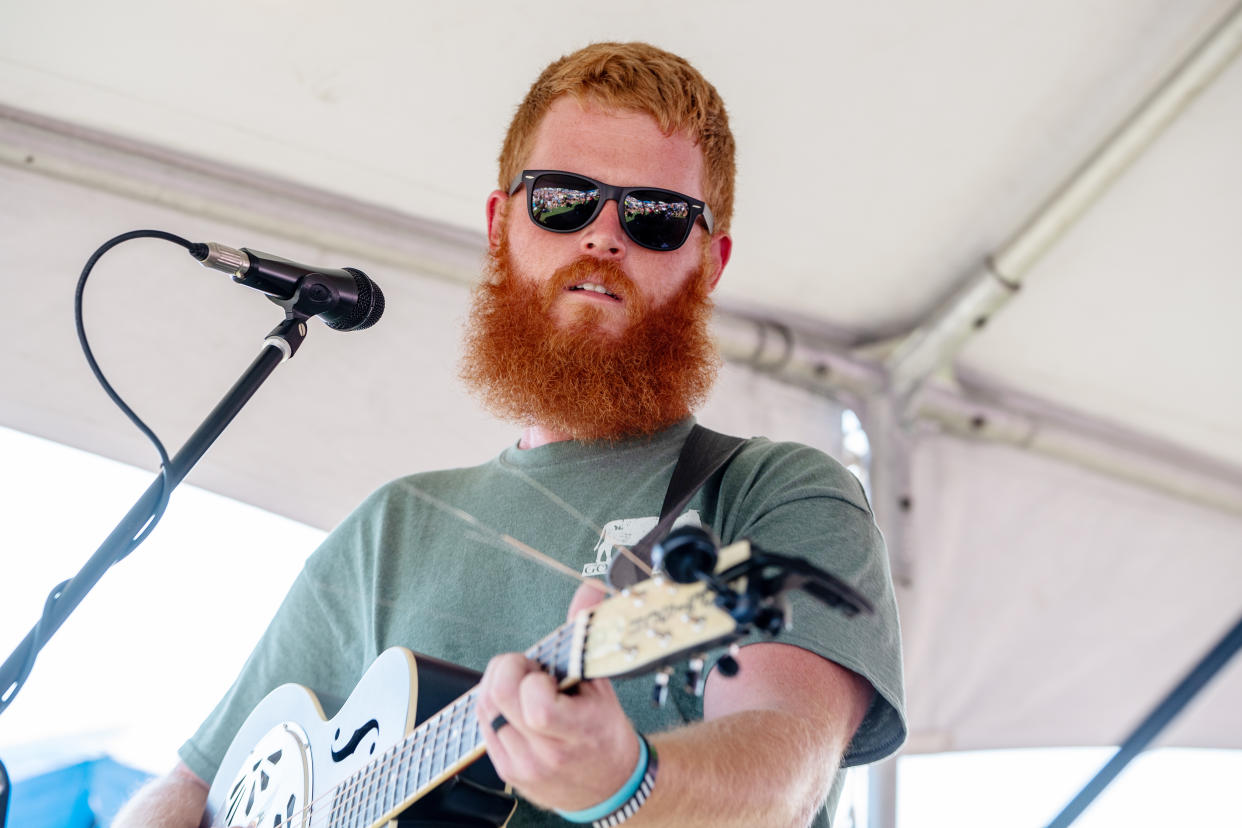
497	691
500	691
543	708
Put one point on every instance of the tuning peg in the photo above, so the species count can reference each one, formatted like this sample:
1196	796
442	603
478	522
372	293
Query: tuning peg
771	619
687	553
727	664
694	676
659	692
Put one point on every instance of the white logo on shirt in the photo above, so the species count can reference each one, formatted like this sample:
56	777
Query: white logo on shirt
626	532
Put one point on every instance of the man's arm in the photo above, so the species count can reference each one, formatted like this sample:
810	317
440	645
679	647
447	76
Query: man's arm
175	800
770	742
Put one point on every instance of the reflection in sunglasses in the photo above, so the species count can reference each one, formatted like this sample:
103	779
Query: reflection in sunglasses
560	199
549	201
664	209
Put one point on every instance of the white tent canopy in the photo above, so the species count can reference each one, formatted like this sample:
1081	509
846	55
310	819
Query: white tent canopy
1061	487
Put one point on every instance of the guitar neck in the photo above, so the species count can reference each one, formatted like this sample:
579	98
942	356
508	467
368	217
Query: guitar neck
439	748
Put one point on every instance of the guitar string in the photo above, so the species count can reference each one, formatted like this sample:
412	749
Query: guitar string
412	742
559	501
507	543
510	543
430	732
426	735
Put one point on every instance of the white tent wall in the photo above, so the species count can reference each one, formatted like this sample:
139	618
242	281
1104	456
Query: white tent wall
1050	605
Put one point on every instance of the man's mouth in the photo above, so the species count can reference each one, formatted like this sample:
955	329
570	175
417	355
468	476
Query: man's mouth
595	288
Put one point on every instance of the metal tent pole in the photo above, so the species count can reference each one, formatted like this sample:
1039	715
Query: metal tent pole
1155	722
882	794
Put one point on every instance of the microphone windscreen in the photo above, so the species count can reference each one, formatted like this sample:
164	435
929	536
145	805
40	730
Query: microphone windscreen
368	309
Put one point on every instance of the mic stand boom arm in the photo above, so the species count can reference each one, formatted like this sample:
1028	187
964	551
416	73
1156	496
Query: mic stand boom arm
280	344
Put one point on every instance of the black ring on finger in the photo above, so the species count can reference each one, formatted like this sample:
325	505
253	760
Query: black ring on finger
499	722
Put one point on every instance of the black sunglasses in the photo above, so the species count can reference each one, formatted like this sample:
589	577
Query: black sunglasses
564	202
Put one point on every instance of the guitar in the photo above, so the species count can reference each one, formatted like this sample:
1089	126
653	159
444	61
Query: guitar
289	767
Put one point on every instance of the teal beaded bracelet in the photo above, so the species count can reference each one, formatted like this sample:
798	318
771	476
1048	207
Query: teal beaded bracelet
619	807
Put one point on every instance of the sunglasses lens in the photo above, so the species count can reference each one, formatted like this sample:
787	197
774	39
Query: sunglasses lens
656	219
563	203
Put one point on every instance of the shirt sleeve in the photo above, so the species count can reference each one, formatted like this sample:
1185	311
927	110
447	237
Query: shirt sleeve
794	500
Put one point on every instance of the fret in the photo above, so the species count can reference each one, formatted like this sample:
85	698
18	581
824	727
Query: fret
411	763
473	729
367	796
359	799
437	762
377	795
398	762
385	782
334	808
343	803
424	761
402	773
374	795
453	741
468	719
336	816
353	803
392	763
429	754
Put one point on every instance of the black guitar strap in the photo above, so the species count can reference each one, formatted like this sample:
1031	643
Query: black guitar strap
704	453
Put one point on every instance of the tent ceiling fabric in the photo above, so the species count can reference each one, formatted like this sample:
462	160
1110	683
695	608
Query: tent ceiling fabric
885	151
904	143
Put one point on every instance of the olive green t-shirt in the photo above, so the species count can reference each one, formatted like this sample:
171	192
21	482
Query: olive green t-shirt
422	564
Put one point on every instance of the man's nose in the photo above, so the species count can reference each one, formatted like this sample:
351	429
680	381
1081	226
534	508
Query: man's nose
604	236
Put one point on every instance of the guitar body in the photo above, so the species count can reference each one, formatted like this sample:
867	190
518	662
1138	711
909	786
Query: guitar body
287	756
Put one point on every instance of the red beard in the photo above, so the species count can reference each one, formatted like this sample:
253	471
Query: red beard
574	378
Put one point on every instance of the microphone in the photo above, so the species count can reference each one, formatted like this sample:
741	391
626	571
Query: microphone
345	299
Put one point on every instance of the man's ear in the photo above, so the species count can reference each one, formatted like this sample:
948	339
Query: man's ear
719	249
495	217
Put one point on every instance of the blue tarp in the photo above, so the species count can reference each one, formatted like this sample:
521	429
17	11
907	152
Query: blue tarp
84	795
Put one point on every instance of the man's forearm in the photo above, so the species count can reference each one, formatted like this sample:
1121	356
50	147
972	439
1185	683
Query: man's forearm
176	800
757	767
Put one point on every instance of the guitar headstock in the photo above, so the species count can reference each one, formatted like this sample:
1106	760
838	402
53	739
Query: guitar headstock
658	621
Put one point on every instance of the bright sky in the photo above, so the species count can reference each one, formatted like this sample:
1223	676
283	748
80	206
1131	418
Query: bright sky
146	655
157	642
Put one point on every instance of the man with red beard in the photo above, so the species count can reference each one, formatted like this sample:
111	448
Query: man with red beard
607	234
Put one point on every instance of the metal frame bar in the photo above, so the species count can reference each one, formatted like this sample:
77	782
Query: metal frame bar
941	336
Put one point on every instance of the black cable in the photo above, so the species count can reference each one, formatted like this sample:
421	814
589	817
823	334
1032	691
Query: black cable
157	510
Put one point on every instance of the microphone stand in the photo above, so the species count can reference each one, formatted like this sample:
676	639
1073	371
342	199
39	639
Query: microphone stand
281	344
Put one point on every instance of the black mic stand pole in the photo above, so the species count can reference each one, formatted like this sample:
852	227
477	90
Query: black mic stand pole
281	344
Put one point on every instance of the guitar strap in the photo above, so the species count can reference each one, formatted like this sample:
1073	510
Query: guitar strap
704	453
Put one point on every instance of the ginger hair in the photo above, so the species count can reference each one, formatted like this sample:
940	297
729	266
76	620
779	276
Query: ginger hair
635	77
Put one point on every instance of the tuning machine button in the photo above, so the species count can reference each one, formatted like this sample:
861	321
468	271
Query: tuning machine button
695	680
770	620
727	664
659	692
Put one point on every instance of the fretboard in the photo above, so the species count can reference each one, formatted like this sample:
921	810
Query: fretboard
436	750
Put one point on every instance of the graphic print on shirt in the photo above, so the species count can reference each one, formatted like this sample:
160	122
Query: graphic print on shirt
626	532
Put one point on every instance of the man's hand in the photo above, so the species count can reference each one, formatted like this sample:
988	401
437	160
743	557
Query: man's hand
558	750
